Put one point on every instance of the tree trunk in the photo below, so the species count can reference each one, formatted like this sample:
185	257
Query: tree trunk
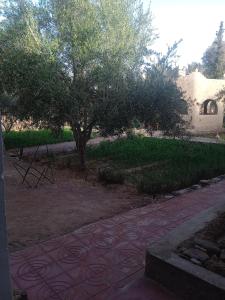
81	147
80	140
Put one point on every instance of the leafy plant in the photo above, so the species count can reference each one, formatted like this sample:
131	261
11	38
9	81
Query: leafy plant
28	138
111	175
162	165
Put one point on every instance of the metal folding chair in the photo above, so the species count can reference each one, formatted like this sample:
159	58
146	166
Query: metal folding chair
39	172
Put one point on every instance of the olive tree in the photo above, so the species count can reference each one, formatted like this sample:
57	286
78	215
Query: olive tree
72	60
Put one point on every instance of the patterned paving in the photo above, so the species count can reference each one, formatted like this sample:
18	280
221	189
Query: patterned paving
97	260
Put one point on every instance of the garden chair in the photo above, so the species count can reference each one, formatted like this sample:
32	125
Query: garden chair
39	172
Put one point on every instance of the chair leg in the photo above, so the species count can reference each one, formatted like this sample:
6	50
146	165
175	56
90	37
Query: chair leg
17	167
50	178
41	176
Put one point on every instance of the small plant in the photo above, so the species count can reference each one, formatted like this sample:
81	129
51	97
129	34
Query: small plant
111	175
154	187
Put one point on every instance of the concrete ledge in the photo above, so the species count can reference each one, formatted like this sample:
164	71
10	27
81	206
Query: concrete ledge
179	275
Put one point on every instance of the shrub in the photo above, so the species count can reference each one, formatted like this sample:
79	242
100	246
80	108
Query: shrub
144	185
29	138
111	175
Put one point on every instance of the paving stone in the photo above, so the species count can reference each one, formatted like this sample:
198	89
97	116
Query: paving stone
211	247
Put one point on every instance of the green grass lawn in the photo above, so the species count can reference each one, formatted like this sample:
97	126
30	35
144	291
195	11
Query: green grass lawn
179	164
16	139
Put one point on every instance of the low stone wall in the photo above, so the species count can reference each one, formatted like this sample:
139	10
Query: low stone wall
184	278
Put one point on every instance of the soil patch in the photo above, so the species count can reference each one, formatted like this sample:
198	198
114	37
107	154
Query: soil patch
35	214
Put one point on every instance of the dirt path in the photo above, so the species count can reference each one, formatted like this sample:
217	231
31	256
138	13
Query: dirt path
62	148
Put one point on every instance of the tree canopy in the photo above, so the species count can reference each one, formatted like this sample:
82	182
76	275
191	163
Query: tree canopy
213	60
81	62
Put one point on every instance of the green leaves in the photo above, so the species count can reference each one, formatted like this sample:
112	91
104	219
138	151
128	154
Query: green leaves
80	62
214	57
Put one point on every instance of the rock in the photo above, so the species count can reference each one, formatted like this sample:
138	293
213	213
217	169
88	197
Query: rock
200	248
169	196
181	192
196	261
221	242
196	186
215	265
197	254
205	182
211	247
215	180
182	249
222	255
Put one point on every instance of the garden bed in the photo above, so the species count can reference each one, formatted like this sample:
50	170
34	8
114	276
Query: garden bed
171	263
207	247
78	198
160	165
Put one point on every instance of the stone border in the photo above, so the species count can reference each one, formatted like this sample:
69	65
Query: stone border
202	183
181	276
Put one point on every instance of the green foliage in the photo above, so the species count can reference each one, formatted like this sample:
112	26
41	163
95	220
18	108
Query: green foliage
29	72
171	164
80	62
214	57
160	102
8	111
111	175
68	61
193	67
175	176
16	139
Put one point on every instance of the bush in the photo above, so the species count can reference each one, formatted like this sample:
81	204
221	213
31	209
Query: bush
111	175
154	187
29	138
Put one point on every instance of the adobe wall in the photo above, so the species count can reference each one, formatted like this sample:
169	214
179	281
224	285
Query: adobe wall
198	89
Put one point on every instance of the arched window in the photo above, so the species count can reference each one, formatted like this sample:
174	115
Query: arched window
209	107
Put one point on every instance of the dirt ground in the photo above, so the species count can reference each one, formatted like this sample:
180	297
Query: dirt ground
35	214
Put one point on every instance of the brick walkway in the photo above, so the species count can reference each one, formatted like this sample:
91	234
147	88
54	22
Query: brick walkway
97	260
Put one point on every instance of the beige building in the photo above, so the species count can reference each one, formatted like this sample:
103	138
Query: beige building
206	112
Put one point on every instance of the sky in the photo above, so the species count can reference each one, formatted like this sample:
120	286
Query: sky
194	21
